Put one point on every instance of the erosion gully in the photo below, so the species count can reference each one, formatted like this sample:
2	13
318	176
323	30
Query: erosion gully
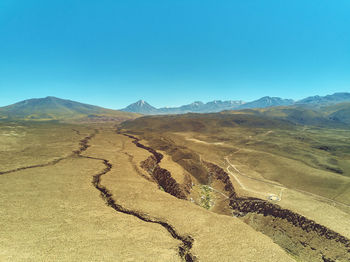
187	241
248	205
242	205
55	161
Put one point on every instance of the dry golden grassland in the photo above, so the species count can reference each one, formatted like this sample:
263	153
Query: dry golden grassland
51	210
268	166
300	168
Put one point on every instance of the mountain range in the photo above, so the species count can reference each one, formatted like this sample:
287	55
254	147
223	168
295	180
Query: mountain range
330	109
325	100
142	107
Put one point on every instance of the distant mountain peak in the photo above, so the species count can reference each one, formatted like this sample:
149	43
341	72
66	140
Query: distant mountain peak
141	103
197	103
50	98
141	107
267	101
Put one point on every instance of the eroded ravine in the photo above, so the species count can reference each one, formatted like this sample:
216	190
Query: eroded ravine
186	241
244	206
313	242
161	175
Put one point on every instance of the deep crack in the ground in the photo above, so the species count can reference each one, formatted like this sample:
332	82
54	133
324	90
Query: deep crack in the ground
51	163
161	176
187	241
55	161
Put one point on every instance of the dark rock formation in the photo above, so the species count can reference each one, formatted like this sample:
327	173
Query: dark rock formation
218	173
161	176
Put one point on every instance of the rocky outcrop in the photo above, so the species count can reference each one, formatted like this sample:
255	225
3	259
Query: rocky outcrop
187	184
163	177
269	218
217	173
136	141
254	205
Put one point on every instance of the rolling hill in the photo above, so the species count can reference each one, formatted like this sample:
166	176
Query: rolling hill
295	114
208	123
337	115
339	112
52	108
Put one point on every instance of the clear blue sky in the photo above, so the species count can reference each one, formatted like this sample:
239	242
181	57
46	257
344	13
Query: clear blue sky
172	52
